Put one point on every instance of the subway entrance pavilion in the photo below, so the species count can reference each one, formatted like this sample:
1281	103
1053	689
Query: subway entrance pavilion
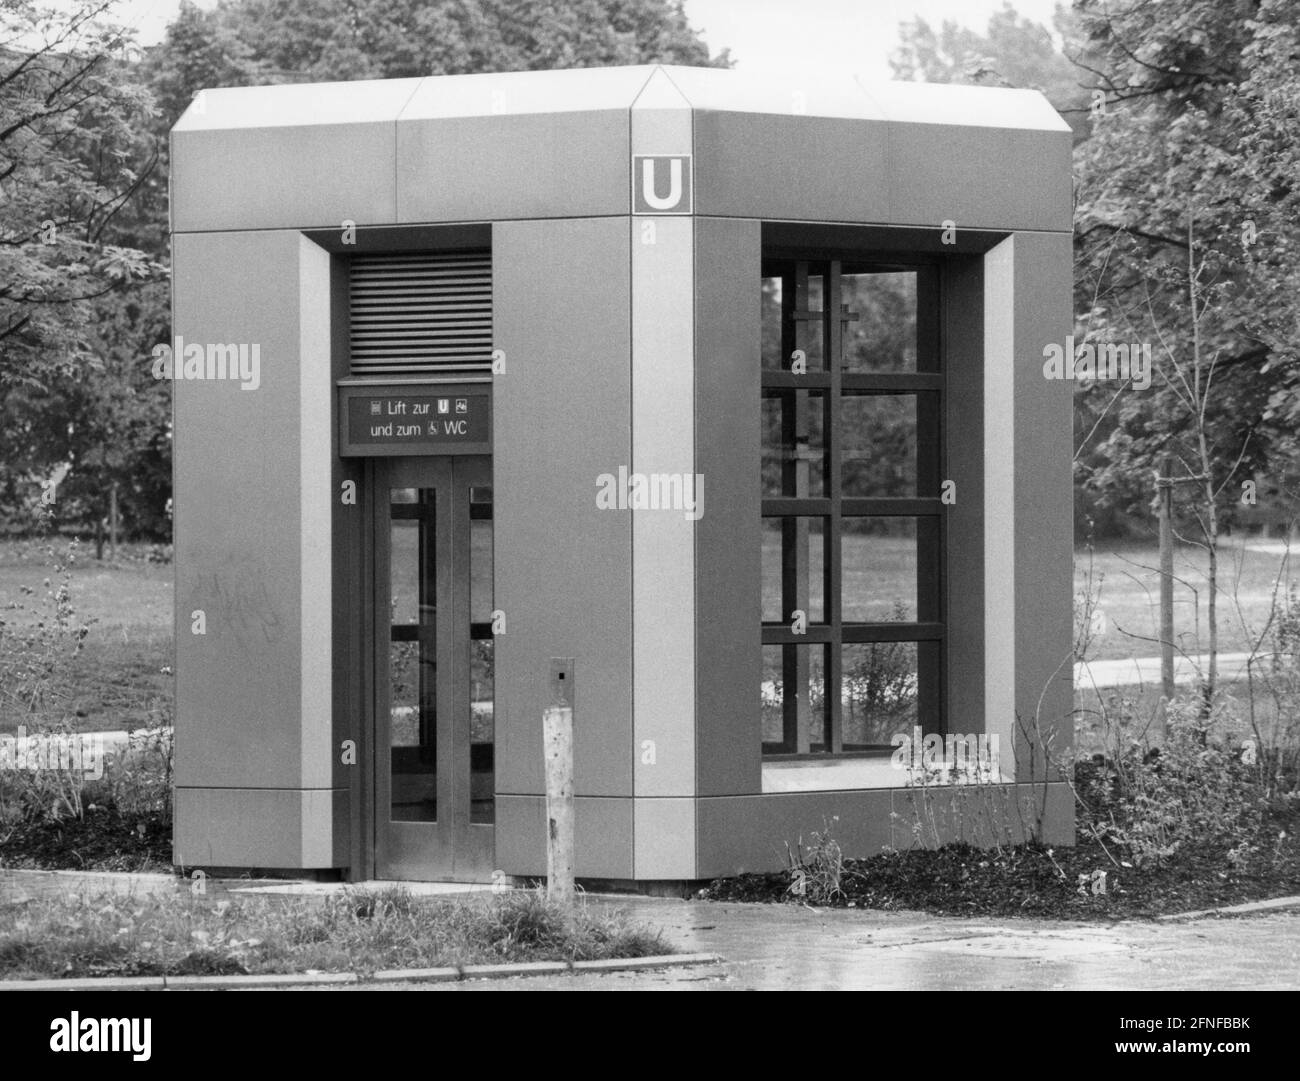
729	392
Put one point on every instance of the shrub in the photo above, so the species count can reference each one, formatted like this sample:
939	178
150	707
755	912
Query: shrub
1192	790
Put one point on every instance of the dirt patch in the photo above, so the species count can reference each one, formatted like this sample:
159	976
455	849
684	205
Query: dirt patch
1060	883
104	840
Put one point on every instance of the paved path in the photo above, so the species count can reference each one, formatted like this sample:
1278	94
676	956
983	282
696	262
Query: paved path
1132	671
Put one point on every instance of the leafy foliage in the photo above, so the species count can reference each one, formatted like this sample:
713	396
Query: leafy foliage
74	148
1197	150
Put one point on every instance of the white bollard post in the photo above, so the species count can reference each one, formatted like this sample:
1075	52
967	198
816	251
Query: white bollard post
557	744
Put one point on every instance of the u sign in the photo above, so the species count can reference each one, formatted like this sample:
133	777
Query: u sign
661	184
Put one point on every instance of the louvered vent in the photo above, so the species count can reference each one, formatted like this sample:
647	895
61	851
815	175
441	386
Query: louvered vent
413	314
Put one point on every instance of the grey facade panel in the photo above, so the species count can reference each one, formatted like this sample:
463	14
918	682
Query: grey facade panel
563	565
237	551
728	648
754	165
962	337
289	177
877	172
602	836
1044	543
981	178
555	165
272	828
741	834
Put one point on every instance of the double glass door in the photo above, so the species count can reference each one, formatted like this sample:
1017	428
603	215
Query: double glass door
433	661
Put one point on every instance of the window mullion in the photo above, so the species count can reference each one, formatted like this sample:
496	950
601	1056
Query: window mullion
833	343
794	531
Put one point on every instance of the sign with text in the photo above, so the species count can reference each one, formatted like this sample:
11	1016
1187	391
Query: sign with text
661	184
423	420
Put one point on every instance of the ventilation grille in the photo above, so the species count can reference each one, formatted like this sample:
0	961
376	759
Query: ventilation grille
417	314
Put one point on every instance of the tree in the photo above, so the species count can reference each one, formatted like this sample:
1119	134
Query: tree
1186	240
71	156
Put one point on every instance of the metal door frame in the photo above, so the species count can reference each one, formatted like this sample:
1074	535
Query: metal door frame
453	848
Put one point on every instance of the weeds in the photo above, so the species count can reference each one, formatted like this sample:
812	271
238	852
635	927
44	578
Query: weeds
45	778
354	930
816	871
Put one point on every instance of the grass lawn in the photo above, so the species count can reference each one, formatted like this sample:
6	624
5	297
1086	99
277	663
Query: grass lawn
1135	714
122	676
1127	581
355	930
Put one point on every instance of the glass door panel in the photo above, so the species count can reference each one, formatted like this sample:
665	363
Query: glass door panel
433	669
413	654
482	656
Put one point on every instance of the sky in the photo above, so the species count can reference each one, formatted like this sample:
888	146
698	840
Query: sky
763	35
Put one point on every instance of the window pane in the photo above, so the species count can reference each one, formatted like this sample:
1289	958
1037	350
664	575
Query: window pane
412	657
880	558
794	699
807	333
480	555
794	551
482	730
772	357
482	656
405	535
879	695
883	337
878	433
795	460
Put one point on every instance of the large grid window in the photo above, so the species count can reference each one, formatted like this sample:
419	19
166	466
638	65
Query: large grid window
852	530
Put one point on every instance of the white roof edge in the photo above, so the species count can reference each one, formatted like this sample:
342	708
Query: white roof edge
794	93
